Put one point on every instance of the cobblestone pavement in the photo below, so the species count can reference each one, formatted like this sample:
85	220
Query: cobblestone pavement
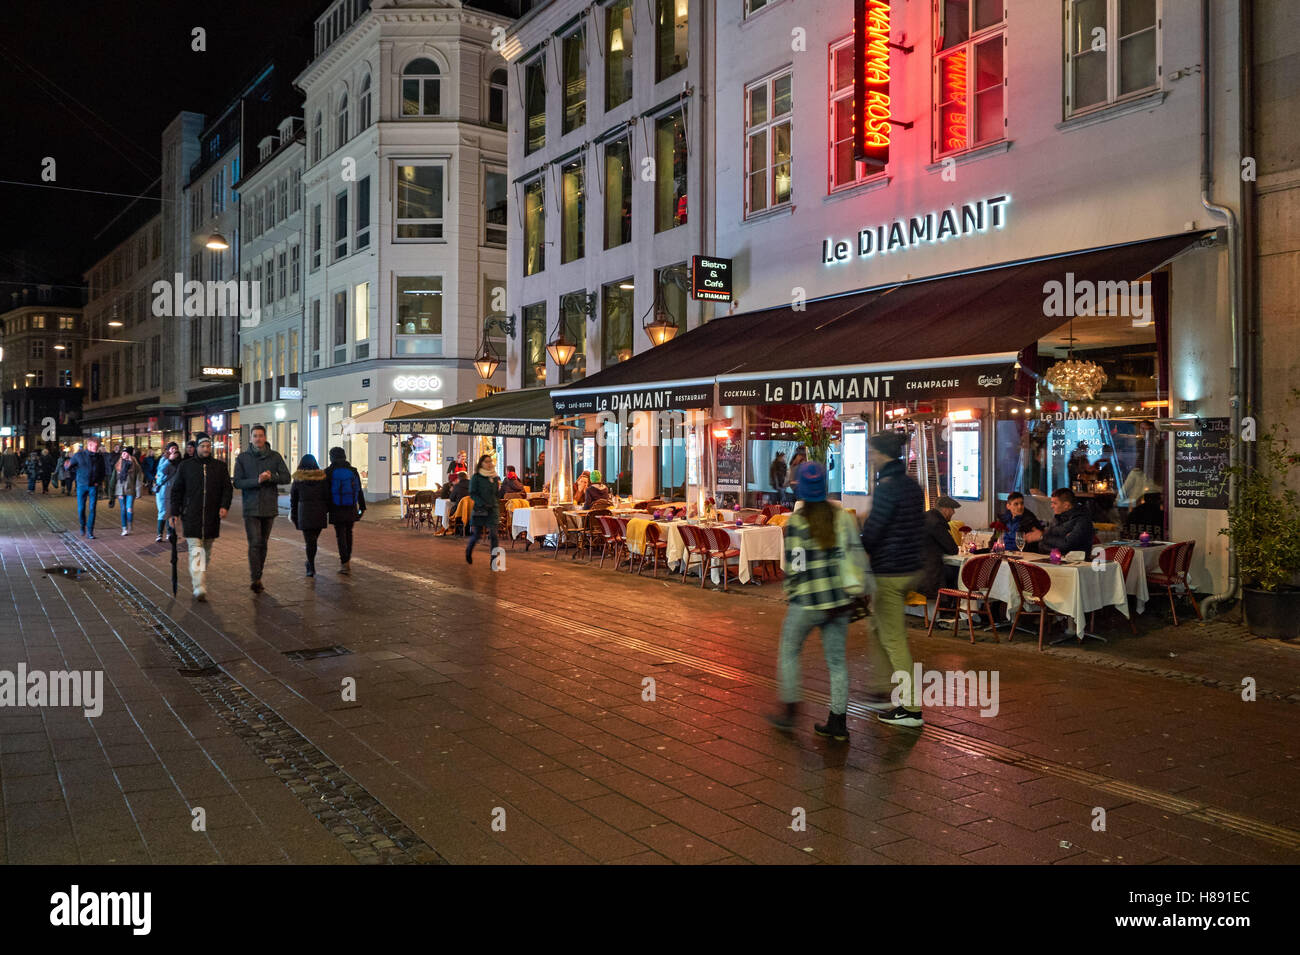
517	698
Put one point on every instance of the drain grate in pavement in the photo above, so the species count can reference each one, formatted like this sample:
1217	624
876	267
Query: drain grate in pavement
59	570
367	829
317	653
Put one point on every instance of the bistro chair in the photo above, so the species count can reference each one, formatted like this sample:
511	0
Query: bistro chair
1175	562
653	545
612	534
691	547
1033	583
972	598
1118	554
515	496
591	533
421	510
778	520
762	519
914	599
717	546
459	521
749	515
565	534
538	500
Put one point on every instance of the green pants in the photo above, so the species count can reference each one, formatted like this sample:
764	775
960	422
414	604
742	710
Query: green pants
887	650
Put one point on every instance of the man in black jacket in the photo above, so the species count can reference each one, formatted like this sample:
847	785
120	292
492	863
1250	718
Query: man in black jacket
892	539
198	500
1071	529
259	471
939	543
347	502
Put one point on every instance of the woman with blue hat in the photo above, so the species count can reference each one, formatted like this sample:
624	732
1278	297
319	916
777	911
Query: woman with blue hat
826	573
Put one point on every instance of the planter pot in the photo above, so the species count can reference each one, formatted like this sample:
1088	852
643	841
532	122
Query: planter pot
1273	614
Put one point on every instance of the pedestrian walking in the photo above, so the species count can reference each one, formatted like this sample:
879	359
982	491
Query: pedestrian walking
309	505
259	470
149	467
792	472
892	538
198	500
8	467
65	475
126	484
191	449
826	574
33	470
87	467
47	470
162	484
483	488
347	503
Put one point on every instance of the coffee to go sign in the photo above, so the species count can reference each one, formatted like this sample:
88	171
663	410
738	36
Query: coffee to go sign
872	110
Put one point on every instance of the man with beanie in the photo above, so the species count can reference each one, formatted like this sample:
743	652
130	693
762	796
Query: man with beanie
198	499
87	467
346	503
892	539
259	471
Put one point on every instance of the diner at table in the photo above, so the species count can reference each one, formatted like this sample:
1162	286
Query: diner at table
1017	519
1071	530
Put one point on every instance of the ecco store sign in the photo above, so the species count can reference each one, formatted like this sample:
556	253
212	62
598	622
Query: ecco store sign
973	218
417	383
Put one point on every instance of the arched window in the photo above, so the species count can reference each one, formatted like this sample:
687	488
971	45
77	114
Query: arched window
420	93
341	121
317	134
497	98
363	104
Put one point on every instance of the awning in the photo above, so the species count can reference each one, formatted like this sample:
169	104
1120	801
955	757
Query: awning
507	414
949	337
372	422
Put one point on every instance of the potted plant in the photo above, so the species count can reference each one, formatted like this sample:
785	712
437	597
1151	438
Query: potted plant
1264	527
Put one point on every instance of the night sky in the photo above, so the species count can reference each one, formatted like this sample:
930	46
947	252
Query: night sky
112	74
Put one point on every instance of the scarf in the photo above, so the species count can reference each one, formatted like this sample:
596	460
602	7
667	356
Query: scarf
488	472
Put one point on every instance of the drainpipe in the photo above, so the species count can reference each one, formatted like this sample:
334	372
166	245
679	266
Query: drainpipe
1234	294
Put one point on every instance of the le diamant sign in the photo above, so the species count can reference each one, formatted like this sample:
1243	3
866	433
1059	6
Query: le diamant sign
973	218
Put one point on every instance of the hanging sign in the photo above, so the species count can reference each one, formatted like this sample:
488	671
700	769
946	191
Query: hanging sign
710	279
872	110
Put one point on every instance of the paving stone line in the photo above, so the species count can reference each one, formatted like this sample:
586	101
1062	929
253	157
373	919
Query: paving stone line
367	829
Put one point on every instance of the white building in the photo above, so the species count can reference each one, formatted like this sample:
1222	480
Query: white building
405	168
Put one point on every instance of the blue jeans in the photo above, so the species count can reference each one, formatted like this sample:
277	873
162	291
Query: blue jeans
87	498
799	622
128	512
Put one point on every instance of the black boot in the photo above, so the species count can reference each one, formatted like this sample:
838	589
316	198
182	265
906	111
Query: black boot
311	569
783	719
836	727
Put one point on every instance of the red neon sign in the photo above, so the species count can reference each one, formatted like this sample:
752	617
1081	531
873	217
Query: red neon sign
872	110
956	133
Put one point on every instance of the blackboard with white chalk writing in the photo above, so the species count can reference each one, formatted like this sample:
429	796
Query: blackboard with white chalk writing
1201	459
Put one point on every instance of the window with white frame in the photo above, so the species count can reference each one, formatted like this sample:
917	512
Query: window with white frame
282	262
315	333
340	327
295	190
969	75
340	225
282	207
418	306
768	110
1112	52
361	319
363	214
535	104
419	200
295	268
317	137
495	190
341	120
270	279
363	104
421	92
497	86
315	236
844	170
753	6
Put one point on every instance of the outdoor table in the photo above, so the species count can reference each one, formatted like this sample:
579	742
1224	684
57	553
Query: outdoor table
754	542
1078	588
533	522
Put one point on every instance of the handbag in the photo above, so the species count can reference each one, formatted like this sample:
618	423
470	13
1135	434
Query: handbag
858	581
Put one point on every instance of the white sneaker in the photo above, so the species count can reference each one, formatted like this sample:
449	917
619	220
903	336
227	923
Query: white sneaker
125	532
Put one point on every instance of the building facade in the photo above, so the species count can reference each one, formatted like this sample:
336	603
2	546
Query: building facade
40	341
405	167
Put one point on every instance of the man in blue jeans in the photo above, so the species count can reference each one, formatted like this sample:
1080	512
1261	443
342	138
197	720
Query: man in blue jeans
87	467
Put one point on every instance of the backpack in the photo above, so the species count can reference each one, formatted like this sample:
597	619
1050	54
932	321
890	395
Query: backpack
343	491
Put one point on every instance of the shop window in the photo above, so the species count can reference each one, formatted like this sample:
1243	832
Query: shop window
420	197
535	105
970	76
535	226
618	193
574	59
618	53
670	171
1112	52
844	169
573	212
767	143
670	37
419	315
534	344
359	452
616	303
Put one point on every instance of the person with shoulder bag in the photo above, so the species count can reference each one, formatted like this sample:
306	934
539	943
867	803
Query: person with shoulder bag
826	576
346	503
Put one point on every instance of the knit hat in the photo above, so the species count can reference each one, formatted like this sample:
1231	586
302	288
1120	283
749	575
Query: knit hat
888	443
811	485
595	477
337	455
201	438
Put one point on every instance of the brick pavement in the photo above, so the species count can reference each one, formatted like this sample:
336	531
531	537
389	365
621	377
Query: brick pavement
522	692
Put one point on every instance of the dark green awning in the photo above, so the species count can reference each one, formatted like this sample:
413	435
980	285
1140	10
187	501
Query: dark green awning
525	413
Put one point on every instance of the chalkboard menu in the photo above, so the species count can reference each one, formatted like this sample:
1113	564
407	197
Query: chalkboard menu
1200	460
728	461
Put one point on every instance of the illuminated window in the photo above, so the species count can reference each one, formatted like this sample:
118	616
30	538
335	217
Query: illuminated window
616	300
767	143
670	37
618	193
618	53
844	169
573	212
535	105
670	169
420	197
1112	51
419	315
970	76
421	92
534	343
495	190
535	227
574	50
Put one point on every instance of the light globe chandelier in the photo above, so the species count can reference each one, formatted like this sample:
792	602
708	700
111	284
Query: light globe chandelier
1076	380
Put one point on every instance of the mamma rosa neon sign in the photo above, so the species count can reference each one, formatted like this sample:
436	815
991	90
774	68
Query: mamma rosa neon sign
973	218
872	109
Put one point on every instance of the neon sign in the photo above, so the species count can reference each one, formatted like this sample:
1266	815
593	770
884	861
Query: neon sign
872	110
955	129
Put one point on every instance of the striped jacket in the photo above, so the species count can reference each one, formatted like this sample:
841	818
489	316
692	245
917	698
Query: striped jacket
819	579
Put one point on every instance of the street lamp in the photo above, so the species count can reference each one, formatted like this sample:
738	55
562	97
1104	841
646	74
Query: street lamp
487	360
664	327
217	242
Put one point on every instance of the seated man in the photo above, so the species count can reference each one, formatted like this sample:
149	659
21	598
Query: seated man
1017	520
511	484
1070	530
937	542
459	488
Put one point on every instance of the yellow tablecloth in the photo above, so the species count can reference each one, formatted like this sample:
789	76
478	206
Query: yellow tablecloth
778	520
516	503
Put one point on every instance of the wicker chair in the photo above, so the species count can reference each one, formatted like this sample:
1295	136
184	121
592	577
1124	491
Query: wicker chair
1033	583
653	545
1175	562
718	547
612	536
1122	555
973	597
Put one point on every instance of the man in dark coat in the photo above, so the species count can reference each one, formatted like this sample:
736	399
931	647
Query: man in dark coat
776	474
87	467
1071	529
47	470
259	471
347	503
891	537
198	501
1017	520
309	505
938	543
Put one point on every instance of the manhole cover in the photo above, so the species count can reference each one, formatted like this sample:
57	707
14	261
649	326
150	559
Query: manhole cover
317	653
61	571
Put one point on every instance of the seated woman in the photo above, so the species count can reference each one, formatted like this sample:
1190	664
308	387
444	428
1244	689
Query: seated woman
596	490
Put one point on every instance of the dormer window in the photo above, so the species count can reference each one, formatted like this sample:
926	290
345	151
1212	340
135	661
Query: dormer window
420	88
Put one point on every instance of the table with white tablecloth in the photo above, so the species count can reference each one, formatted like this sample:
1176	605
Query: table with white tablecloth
532	522
440	510
755	542
1077	589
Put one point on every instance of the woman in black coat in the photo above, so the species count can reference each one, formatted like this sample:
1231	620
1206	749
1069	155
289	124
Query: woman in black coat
309	502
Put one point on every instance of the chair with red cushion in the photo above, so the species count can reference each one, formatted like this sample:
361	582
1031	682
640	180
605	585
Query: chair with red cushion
973	597
762	519
1033	583
1118	554
693	546
720	549
652	545
1175	562
613	538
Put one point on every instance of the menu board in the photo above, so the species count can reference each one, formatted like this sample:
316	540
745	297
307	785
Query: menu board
1200	460
728	461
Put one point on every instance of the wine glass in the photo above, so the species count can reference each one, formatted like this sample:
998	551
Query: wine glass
1020	541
